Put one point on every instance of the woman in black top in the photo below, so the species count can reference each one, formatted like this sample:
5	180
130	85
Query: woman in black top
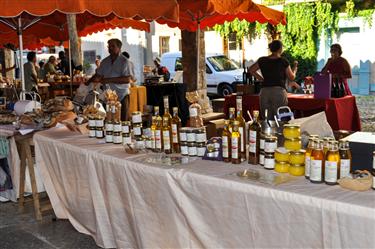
275	71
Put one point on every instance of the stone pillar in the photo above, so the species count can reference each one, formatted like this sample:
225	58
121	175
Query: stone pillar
75	41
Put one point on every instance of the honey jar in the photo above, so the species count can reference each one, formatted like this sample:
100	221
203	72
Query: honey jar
293	144
282	154
282	167
297	169
269	161
291	131
270	144
117	126
125	127
109	137
297	157
261	157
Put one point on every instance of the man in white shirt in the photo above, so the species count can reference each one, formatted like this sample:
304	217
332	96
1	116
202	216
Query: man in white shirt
116	71
31	79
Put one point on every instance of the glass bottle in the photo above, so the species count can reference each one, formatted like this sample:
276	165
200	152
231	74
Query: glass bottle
309	149
153	129
236	143
317	163
331	165
167	138
158	130
166	110
254	136
226	142
242	127
326	144
232	117
345	159
176	125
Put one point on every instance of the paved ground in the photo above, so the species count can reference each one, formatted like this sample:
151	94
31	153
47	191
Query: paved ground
366	107
22	231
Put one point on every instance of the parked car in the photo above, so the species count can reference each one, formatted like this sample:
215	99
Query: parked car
222	73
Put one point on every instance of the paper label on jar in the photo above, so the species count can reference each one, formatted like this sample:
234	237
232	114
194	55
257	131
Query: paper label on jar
158	139
117	139
269	163
126	140
253	141
225	146
192	151
307	166
200	137
109	127
109	138
239	104
99	134
174	133
183	137
235	148
166	140
137	118
92	122
316	170
330	172
125	129
193	112
201	151
242	139
184	150
117	128
261	159
344	167
270	147
99	123
261	144
137	131
92	133
191	137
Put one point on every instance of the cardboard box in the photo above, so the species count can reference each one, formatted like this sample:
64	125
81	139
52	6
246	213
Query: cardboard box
245	89
362	145
214	128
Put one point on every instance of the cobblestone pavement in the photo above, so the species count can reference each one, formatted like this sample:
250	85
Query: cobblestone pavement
366	108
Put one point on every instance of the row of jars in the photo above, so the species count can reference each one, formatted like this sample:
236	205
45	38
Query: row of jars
193	141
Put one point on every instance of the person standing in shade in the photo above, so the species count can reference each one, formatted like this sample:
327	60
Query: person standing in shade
275	71
50	66
63	65
31	76
115	70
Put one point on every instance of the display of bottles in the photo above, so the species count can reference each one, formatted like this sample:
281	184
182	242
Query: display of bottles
158	130
317	163
332	164
254	136
167	138
232	117
166	110
345	159
309	149
226	142
236	143
242	127
176	126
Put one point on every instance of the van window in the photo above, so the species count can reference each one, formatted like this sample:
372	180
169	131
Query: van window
178	64
222	63
208	69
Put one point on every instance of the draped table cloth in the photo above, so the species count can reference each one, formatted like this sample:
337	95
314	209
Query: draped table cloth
342	113
124	202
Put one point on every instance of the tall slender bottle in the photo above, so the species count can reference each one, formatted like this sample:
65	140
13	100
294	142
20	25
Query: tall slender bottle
331	165
153	129
244	74
236	143
345	159
166	110
232	117
158	130
309	149
176	126
226	142
254	136
167	138
242	127
317	163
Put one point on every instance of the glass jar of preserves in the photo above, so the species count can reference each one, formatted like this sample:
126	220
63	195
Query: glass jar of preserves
108	126
200	135
282	167
99	122
293	144
269	161
201	149
137	130
140	143
297	157
109	137
136	117
99	132
192	149
125	127
296	169
92	123
92	132
270	144
117	126
183	134
184	149
190	135
117	138
282	154
126	138
261	157
291	131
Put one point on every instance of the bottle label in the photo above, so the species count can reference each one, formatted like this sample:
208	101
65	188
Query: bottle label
225	146
158	139
166	140
125	129
137	118
126	140
261	159
184	150
92	133
239	104
200	137
269	163
270	147
261	144
235	147
201	151
316	170
242	139
99	134
174	133
99	123
344	167
253	141
192	151
117	139
117	128
330	172
108	138
137	131
92	123
109	127
183	137
193	112
191	137
307	166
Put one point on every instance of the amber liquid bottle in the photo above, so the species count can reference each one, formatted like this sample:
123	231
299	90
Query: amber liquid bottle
232	117
166	111
332	164
317	163
309	149
236	144
254	138
242	127
158	131
345	159
176	126
226	142
153	129
167	138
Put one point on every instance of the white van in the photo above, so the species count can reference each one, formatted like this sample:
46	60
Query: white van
222	74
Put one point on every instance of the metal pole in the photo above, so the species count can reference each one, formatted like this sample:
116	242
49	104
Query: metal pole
19	31
70	69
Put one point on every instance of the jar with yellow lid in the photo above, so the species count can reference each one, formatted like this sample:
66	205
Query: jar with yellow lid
293	144
282	154
282	167
291	131
297	169
297	157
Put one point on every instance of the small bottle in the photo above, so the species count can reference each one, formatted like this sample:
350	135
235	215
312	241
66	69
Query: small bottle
167	138
332	165
317	163
242	127
345	159
236	143
309	149
232	117
226	144
176	126
254	137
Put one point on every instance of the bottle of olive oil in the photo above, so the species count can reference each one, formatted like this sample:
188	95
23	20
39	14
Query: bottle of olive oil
226	142
308	156
317	163
167	138
345	159
232	117
158	130
153	129
332	164
254	138
236	143
176	126
166	110
242	127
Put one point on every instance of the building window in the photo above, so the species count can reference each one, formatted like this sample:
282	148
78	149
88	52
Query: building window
163	44
233	43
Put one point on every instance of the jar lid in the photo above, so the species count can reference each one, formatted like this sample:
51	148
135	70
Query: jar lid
282	163
297	165
297	152
124	123
282	150
136	113
293	139
271	138
117	122
184	129
109	121
292	126
269	155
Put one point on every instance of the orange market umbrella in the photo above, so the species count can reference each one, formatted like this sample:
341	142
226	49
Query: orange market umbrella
22	15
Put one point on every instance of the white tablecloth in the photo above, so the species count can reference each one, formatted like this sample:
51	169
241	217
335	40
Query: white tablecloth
123	203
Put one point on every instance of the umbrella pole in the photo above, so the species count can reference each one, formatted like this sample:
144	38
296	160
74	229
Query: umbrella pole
198	51
70	69
19	31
